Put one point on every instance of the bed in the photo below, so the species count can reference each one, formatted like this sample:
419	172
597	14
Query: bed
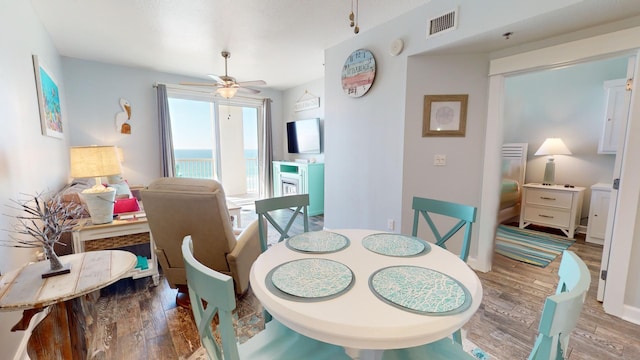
514	164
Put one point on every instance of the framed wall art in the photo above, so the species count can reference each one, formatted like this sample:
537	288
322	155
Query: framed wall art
444	115
48	100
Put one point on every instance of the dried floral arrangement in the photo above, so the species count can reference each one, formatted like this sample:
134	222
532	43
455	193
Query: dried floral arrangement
41	222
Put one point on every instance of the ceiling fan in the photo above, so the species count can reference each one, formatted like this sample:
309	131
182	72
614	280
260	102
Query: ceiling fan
227	85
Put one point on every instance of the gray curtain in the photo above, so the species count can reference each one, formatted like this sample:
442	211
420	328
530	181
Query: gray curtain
166	141
266	157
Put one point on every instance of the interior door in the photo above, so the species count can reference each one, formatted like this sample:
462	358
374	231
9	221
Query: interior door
617	172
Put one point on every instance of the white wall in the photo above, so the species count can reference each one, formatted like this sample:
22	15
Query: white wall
365	136
233	166
458	180
568	103
290	97
94	90
29	162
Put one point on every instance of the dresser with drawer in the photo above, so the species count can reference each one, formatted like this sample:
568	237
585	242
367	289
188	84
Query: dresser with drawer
554	206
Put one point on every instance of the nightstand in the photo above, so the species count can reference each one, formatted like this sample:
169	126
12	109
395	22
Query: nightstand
552	206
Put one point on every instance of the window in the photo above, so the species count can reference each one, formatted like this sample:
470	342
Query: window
217	139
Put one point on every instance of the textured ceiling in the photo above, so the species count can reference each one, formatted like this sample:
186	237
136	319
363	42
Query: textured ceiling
279	41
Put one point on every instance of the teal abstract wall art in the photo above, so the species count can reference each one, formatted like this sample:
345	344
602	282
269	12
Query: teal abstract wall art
48	101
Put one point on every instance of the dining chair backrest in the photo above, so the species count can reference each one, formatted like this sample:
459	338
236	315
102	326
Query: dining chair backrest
212	293
217	290
562	310
266	208
464	213
559	317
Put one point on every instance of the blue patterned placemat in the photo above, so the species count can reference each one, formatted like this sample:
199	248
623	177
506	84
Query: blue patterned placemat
395	244
310	279
317	242
420	290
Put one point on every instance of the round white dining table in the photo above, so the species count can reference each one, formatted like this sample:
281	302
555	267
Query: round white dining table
358	319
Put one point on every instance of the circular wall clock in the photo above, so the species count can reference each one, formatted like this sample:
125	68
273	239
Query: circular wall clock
358	73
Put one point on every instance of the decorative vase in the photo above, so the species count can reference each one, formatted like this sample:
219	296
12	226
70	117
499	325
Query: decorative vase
55	265
100	205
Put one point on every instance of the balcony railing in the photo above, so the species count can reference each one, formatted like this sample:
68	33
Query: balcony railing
203	169
194	168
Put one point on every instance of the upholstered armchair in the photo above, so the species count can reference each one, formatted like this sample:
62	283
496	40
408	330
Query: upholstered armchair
177	207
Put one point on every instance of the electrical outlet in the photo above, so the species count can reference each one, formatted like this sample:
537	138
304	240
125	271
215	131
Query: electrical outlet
391	224
440	160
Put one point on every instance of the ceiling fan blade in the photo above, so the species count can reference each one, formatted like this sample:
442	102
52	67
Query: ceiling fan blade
199	84
216	78
248	90
252	83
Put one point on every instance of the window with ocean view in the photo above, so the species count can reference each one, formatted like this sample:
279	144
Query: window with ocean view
216	141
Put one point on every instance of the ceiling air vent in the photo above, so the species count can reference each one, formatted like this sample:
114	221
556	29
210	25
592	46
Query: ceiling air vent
443	23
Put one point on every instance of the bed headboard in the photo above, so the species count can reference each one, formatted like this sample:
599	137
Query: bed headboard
514	161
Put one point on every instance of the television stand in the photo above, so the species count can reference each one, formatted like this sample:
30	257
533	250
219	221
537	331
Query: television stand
291	178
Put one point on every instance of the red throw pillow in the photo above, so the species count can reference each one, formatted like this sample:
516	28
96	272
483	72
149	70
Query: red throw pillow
126	205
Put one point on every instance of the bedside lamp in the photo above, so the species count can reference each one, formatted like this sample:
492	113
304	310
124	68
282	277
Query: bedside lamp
551	147
96	162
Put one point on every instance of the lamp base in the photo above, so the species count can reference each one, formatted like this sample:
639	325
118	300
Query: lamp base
549	173
100	205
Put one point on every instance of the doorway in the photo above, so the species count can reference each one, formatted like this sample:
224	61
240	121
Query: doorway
624	291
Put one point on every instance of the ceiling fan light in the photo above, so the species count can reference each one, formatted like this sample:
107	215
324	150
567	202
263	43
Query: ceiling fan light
227	92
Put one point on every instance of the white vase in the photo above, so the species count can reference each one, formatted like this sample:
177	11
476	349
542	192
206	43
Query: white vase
100	205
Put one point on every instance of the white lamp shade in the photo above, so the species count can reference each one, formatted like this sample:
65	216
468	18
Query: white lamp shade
94	161
227	92
553	146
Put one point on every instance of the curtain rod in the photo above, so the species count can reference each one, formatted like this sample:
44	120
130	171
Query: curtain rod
196	90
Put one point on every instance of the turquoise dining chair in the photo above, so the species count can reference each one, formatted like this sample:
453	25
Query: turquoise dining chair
465	213
559	317
212	293
265	209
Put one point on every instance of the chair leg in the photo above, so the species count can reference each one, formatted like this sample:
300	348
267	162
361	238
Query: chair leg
182	297
267	316
457	337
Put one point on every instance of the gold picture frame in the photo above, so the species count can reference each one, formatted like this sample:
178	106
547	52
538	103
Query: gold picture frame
444	115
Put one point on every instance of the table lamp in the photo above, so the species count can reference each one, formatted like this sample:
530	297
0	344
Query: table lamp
96	162
551	147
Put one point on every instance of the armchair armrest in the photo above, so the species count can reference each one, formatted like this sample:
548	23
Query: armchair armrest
243	255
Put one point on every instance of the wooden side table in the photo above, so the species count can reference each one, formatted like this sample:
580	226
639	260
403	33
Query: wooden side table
235	211
117	235
25	289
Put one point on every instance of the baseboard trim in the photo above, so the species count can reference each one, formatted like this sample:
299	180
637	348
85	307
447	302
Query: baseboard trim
631	314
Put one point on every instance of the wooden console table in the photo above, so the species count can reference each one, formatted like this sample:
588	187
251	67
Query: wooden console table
25	289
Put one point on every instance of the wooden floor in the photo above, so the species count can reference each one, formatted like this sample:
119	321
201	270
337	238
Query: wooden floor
139	321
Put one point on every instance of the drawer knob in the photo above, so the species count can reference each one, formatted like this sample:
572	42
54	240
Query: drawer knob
546	216
546	198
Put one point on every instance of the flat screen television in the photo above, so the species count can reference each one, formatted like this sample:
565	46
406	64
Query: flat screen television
303	136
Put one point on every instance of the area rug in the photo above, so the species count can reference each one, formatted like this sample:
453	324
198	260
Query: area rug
529	246
467	345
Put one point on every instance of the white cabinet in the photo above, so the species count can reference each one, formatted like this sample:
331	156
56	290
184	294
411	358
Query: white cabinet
616	112
598	213
553	206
